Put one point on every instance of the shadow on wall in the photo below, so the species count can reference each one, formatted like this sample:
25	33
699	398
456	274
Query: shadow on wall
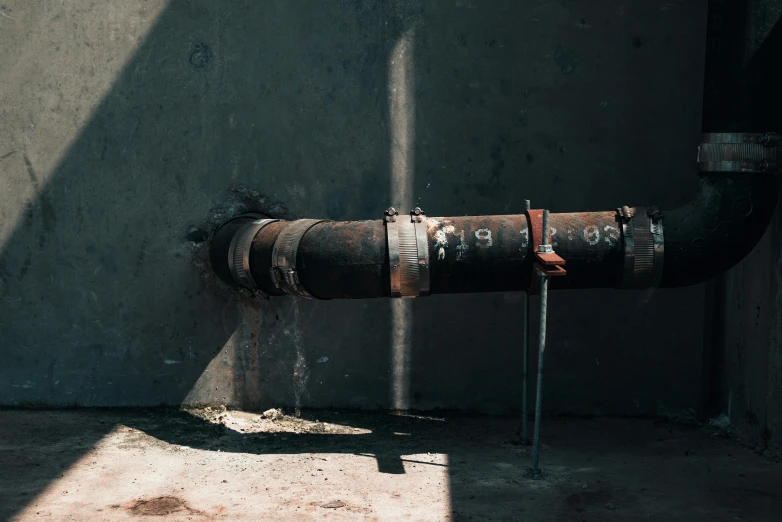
99	301
746	362
100	305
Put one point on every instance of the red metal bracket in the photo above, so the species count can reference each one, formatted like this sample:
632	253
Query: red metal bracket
550	264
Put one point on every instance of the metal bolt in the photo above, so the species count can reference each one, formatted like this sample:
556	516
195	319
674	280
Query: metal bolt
417	211
544	239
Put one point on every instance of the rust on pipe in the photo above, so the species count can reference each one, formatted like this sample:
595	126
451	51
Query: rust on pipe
349	259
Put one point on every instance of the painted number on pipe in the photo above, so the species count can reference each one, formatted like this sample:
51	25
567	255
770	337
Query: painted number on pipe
484	238
525	237
592	235
612	235
462	247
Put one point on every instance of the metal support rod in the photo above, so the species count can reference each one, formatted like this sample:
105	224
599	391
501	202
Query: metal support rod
541	351
524	382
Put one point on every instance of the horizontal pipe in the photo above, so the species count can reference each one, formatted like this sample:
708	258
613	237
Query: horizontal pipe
695	242
349	259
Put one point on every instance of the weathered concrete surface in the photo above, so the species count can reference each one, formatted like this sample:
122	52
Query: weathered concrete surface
746	379
123	123
748	371
98	465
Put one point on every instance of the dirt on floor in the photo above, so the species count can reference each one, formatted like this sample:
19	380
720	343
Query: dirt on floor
218	464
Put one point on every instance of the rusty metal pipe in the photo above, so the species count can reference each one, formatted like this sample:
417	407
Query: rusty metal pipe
340	260
349	260
700	240
694	243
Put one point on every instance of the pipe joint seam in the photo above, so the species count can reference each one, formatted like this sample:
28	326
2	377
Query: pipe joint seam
408	253
644	246
239	256
283	270
739	152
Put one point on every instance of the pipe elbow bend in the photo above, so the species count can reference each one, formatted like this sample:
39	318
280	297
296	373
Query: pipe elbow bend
724	223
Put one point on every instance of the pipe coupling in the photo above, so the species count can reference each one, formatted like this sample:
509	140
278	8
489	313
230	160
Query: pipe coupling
739	152
239	256
644	246
408	253
283	270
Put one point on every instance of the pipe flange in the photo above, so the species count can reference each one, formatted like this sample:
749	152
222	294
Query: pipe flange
642	233
739	152
239	256
408	253
283	270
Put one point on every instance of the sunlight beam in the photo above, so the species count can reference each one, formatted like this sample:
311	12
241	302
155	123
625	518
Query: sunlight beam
401	108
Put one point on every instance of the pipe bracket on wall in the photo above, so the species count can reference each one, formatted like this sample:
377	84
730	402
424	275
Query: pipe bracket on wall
239	256
408	253
644	246
739	152
283	270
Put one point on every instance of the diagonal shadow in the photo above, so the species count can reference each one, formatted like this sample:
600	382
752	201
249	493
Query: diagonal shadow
100	305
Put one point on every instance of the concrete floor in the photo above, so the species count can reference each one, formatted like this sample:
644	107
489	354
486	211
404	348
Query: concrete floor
216	465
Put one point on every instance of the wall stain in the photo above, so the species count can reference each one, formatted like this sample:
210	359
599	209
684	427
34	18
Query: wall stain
200	56
141	256
25	266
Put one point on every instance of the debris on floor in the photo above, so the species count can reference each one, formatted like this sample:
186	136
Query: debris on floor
159	506
274	420
177	466
272	413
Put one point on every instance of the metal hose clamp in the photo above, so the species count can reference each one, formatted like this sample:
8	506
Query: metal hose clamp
392	239
239	256
642	232
283	270
408	253
418	218
739	152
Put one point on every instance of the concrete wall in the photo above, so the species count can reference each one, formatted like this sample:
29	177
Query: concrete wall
748	365
124	122
746	348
